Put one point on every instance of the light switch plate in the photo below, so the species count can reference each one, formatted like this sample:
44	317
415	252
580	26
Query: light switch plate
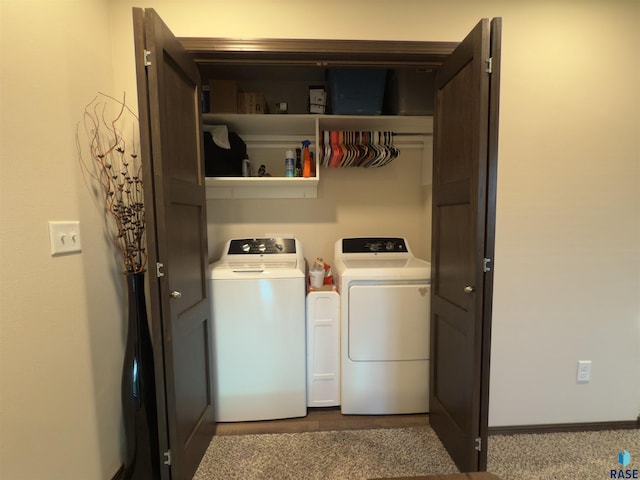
584	371
65	237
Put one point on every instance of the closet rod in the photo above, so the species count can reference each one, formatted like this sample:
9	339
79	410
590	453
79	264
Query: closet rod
403	134
408	143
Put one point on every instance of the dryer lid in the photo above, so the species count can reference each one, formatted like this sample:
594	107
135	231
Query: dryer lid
379	262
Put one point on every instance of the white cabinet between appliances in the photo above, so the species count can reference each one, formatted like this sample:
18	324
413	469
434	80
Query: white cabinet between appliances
323	348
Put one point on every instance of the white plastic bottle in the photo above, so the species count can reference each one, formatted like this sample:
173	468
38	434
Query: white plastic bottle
246	167
288	164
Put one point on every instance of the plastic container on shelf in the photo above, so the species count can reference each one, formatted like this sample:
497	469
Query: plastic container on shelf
409	91
356	91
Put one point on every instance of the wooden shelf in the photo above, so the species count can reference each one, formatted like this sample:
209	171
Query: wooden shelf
261	187
401	125
271	124
267	124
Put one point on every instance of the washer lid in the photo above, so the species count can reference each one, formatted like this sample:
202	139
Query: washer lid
255	270
255	265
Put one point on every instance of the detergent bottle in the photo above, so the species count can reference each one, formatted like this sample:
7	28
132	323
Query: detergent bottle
306	159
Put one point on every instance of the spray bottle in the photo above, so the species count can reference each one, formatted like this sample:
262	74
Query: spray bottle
289	166
306	159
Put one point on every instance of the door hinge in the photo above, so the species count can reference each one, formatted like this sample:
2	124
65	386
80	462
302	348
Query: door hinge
159	267
147	54
167	457
489	62
486	267
478	446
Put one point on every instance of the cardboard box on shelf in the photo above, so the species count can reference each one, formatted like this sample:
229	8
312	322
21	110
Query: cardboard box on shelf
251	102
317	99
222	96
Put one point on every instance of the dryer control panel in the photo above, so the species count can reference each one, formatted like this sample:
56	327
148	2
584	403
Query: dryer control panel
374	245
252	246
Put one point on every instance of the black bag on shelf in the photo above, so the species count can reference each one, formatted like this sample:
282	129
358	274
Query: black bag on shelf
222	162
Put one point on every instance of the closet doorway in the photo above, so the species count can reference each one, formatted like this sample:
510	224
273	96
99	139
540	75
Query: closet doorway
169	74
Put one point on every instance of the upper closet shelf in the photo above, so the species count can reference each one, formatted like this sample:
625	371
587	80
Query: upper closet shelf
261	187
305	124
400	125
267	124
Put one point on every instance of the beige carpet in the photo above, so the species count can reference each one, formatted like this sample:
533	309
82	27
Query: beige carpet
347	454
561	456
384	453
453	476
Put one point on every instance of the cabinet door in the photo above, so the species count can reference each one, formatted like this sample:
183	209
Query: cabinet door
173	173
465	141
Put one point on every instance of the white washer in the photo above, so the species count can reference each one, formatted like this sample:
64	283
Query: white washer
257	292
385	307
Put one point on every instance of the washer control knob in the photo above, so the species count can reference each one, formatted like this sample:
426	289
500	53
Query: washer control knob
246	247
389	246
469	289
262	247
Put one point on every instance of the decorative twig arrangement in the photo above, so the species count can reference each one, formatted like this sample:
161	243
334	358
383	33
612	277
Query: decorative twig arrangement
116	167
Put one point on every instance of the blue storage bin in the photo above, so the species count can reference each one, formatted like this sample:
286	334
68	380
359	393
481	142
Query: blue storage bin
356	91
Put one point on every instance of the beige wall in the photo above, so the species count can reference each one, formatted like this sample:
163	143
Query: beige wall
61	327
567	280
567	283
387	201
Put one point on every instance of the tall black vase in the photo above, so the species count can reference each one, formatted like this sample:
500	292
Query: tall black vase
139	408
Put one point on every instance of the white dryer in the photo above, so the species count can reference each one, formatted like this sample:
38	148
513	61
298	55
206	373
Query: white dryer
385	307
257	294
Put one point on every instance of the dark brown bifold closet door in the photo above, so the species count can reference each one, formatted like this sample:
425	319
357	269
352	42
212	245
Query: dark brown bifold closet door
171	148
465	146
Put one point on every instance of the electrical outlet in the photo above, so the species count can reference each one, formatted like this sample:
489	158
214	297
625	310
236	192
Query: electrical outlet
584	371
64	237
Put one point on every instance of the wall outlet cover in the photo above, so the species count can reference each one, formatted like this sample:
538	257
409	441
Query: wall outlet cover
584	371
